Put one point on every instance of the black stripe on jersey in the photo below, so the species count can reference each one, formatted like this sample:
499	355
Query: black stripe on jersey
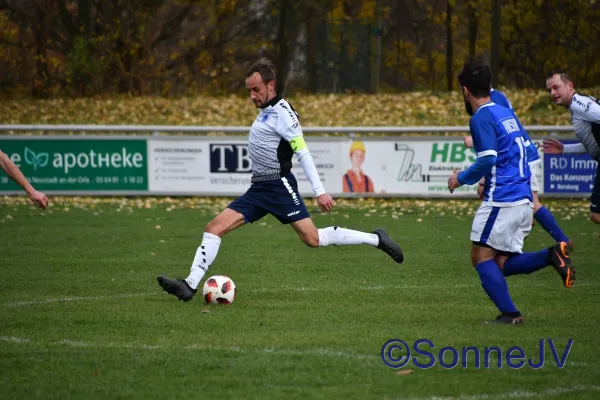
293	115
272	102
284	156
581	103
294	110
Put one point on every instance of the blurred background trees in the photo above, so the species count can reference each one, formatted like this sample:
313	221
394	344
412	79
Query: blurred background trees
80	48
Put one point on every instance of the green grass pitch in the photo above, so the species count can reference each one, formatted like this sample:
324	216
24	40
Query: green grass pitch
83	317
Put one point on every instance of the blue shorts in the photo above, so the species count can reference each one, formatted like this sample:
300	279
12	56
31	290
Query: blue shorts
278	197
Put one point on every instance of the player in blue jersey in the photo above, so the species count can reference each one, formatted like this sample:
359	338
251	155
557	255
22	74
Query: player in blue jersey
504	217
540	213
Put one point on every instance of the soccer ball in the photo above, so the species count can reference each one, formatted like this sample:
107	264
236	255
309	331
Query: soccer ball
219	289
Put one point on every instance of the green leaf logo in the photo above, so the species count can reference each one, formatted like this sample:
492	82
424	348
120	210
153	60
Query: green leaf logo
37	160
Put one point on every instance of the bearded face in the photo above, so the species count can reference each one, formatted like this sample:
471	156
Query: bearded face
468	106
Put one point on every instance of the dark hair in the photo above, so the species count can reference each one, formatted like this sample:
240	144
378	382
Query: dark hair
477	77
564	75
265	69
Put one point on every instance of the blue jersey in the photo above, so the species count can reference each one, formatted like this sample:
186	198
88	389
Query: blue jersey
497	131
499	98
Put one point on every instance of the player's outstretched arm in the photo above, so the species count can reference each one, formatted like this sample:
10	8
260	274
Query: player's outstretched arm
324	200
553	146
16	175
473	174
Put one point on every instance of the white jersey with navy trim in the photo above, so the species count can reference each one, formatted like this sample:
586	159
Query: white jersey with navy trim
270	152
585	116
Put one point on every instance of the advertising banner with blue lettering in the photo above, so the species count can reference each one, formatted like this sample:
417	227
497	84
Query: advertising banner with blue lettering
569	173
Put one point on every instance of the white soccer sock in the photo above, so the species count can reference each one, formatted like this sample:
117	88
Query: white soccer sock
336	236
205	255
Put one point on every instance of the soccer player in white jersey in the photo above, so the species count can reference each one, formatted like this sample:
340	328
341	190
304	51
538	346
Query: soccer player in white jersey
275	136
14	173
585	117
504	218
540	213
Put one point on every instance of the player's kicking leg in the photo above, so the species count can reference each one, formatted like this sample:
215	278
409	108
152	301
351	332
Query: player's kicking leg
514	262
557	256
185	289
242	210
336	236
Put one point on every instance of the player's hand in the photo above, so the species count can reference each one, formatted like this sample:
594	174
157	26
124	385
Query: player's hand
325	202
38	198
553	146
480	188
453	181
468	140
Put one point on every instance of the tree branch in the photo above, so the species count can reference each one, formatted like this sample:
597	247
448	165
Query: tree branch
19	45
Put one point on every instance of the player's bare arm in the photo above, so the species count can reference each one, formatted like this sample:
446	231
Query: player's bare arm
453	182
468	141
14	173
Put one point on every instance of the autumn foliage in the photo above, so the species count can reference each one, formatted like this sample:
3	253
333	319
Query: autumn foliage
408	109
175	48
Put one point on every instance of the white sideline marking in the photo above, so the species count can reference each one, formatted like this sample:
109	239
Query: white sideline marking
517	394
81	343
79	298
313	352
13	339
582	364
236	349
274	289
398	287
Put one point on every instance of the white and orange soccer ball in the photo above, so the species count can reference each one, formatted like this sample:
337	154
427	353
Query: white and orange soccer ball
219	289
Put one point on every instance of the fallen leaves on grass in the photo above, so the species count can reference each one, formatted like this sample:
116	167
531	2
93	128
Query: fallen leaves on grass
404	109
396	208
404	372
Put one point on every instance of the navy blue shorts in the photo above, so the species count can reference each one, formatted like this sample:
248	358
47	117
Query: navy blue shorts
278	197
